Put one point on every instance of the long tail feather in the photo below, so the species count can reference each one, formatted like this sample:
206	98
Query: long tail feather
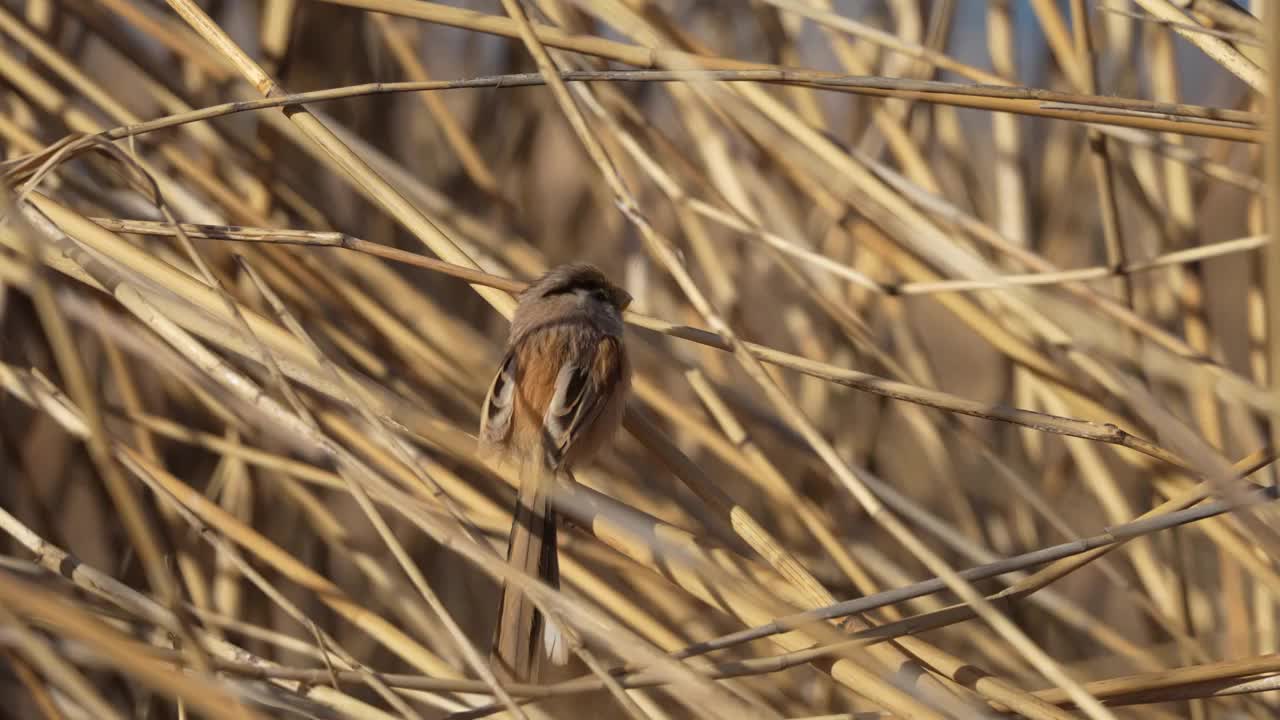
524	636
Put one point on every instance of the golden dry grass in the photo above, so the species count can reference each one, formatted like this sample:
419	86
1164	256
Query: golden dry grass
951	327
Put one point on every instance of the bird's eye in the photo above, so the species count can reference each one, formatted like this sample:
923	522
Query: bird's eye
600	295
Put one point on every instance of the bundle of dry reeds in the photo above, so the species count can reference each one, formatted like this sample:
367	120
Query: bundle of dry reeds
955	334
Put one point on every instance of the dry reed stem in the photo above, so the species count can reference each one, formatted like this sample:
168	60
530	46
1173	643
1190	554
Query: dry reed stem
863	381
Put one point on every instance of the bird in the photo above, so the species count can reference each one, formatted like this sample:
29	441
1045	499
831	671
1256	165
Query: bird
556	400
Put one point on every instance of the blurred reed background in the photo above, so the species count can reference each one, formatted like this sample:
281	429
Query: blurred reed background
921	286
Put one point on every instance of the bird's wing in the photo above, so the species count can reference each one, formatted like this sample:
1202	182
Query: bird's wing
499	403
581	392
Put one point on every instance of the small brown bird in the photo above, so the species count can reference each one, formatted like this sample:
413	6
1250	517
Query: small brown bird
557	399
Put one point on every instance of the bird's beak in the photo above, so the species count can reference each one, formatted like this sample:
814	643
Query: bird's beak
624	300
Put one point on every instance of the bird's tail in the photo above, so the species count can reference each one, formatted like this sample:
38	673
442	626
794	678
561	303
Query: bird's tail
524	636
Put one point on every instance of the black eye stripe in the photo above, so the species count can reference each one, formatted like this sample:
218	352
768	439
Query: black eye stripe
567	288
